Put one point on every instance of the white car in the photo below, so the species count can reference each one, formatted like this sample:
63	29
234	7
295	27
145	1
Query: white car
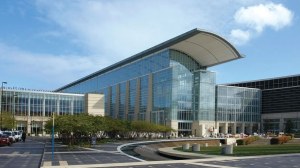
17	135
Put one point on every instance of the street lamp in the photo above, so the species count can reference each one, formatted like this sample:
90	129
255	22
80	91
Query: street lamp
1	102
32	121
14	111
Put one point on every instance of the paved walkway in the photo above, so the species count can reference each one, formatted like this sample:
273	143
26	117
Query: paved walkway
107	155
290	161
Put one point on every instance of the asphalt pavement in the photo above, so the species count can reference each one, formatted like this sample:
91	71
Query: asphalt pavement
20	154
37	152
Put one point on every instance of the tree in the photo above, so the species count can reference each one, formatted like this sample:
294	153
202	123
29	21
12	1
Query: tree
289	126
8	121
74	129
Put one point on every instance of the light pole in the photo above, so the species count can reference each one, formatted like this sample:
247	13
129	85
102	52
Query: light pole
32	121
35	128
52	137
1	102
14	111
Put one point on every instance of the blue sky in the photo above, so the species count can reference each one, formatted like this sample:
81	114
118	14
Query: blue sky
47	44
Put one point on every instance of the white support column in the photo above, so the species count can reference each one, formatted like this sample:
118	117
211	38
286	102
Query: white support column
234	128
281	124
226	128
72	106
243	128
251	129
57	105
217	125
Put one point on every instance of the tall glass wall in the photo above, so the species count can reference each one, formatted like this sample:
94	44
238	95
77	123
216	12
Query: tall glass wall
162	94
150	64
204	95
132	98
144	89
182	85
237	104
122	100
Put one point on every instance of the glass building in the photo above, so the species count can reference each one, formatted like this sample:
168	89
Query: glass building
168	84
238	109
32	109
280	102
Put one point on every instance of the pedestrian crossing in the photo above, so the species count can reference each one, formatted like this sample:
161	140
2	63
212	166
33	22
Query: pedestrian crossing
18	153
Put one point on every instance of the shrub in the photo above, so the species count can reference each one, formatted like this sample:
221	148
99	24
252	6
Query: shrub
291	135
240	142
280	140
274	141
247	140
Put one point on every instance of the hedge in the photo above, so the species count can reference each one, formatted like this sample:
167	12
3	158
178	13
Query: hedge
247	140
280	140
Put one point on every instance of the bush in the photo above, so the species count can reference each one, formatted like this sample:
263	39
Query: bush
247	140
290	135
280	140
274	141
240	142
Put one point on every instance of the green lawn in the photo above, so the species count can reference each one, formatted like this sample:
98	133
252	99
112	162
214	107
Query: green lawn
245	150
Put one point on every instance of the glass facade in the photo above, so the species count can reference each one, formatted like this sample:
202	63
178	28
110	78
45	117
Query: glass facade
165	86
32	106
161	82
237	104
279	95
41	103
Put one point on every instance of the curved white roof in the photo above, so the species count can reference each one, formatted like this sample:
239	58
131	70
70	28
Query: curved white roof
207	48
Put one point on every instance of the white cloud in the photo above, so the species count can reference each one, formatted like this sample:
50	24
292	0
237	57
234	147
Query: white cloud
260	16
239	36
252	20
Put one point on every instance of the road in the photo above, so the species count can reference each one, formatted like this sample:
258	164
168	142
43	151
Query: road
36	152
28	154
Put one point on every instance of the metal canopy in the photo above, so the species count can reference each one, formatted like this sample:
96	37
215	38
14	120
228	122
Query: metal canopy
207	48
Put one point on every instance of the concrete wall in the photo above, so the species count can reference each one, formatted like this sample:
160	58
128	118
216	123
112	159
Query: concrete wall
94	104
203	128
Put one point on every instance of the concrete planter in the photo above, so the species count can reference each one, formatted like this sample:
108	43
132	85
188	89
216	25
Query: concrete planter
196	147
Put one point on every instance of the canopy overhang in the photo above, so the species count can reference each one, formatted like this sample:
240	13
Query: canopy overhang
206	48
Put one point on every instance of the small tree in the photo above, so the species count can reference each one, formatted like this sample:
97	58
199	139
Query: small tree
8	121
289	126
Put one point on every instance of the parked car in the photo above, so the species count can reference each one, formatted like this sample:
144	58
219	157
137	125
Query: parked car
18	135
4	140
11	136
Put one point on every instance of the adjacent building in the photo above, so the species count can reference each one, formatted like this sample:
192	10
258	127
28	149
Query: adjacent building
280	101
32	108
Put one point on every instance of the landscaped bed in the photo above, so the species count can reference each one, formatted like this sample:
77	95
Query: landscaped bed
251	150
